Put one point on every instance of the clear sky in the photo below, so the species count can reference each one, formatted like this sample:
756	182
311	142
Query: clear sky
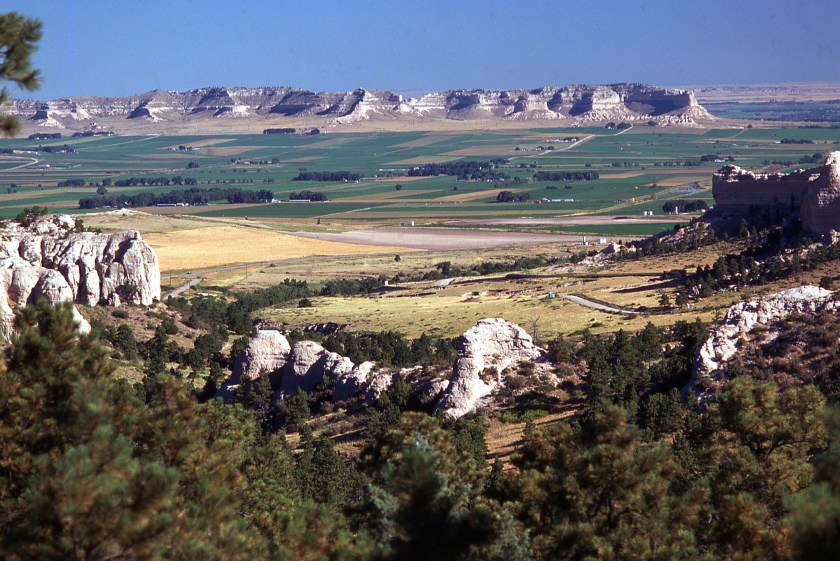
123	47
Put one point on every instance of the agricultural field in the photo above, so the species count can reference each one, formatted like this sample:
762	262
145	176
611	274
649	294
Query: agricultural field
639	168
372	228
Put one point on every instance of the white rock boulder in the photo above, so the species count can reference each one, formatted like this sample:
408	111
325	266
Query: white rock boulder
485	352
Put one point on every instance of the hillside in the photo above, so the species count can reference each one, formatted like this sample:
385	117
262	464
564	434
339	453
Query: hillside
257	107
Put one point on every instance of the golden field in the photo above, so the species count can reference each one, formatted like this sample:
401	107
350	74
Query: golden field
221	245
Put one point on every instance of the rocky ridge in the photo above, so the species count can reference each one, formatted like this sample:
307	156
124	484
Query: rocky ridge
723	342
485	353
580	103
48	258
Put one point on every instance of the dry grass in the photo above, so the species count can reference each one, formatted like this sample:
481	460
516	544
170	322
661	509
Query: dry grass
146	223
217	246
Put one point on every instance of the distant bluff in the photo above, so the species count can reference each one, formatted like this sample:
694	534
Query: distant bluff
579	104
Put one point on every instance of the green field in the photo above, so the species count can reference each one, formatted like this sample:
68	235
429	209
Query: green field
639	169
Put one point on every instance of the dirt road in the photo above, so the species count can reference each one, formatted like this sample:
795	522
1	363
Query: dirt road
596	306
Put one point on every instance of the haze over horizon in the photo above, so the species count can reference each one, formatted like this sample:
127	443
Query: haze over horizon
120	48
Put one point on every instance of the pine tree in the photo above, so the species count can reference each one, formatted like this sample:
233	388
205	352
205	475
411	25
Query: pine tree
815	513
18	40
599	492
420	516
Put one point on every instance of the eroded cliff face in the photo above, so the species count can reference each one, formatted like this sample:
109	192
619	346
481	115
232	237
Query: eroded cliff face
812	194
49	259
582	103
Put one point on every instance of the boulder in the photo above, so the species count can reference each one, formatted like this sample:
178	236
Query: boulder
309	363
485	352
267	351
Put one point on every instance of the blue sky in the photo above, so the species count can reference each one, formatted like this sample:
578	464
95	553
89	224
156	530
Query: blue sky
122	47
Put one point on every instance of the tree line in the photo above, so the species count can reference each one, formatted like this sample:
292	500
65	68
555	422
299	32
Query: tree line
307	195
697	205
327	176
566	175
192	196
464	170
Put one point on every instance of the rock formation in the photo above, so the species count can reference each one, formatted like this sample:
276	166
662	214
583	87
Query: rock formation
267	351
49	259
582	103
722	344
309	362
812	194
303	365
485	352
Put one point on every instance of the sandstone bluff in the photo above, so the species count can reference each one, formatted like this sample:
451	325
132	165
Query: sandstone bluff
581	103
486	352
50	258
811	194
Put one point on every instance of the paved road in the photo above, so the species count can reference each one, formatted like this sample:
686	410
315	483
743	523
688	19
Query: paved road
183	288
597	306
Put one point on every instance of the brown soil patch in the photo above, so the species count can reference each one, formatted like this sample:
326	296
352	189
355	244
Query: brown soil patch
440	239
475	196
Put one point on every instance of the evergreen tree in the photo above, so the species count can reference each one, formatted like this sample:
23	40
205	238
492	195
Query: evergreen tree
297	409
815	513
599	492
421	516
755	448
18	40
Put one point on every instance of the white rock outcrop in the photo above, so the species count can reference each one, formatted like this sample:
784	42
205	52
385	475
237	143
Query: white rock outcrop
49	259
302	365
485	352
722	344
